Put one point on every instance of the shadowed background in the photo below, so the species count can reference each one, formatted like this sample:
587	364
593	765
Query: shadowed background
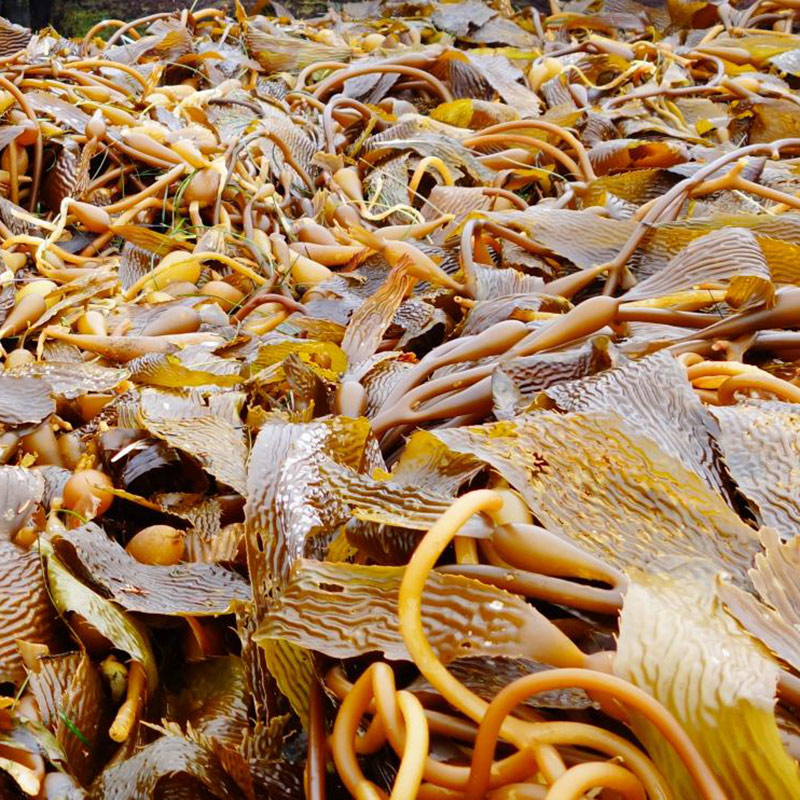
75	17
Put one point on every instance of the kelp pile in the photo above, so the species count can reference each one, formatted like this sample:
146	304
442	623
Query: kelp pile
402	404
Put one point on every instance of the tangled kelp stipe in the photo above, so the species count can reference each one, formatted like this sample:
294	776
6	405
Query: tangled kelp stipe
402	404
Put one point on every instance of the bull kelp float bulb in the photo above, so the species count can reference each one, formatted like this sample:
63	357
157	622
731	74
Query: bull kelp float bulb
173	267
71	449
96	126
178	289
94	218
348	181
177	319
203	187
157	544
19	357
42	443
92	323
226	296
43	288
24	314
87	493
130	710
13	261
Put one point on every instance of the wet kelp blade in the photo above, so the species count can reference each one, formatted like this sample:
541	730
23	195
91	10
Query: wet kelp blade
71	695
212	700
345	610
727	708
25	400
732	256
26	613
71	380
176	760
609	489
193	428
762	622
289	497
774	619
21	491
487	675
655	398
759	441
71	595
182	589
290	501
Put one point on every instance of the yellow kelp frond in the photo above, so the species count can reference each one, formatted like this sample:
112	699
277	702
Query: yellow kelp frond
677	642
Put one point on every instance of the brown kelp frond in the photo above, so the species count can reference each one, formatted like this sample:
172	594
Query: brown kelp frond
726	707
399	400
